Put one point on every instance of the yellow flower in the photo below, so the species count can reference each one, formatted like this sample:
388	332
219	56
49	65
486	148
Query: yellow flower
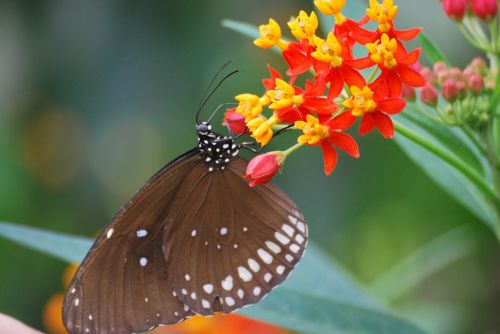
304	26
361	101
382	51
332	7
313	131
382	13
328	51
283	95
249	106
270	35
262	129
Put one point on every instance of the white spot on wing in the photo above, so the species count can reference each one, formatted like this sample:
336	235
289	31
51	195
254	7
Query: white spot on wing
273	247
77	301
193	295
288	229
223	231
302	227
281	238
227	283
143	261
110	233
280	270
292	219
241	293
268	277
254	265
256	291
244	274
193	233
230	301
205	303
289	257
265	256
187	277
294	248
299	238
208	288
141	233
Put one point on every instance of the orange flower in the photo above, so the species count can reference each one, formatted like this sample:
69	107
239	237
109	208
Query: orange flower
52	315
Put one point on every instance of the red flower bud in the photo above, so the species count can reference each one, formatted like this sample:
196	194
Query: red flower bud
468	72
450	90
478	63
429	95
262	168
429	75
439	66
485	9
235	121
409	93
476	84
456	74
455	9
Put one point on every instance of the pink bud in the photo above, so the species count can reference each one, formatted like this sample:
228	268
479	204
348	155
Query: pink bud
409	93
476	84
468	72
478	63
429	95
485	9
262	168
443	76
456	74
235	121
439	66
429	75
455	9
450	90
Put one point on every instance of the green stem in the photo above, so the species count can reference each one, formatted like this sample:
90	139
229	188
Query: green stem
450	159
292	149
471	40
372	75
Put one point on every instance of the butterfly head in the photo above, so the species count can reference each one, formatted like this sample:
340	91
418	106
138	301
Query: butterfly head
215	149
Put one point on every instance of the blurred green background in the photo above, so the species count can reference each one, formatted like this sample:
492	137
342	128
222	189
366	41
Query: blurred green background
98	95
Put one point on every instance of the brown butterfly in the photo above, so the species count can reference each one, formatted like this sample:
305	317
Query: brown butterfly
195	239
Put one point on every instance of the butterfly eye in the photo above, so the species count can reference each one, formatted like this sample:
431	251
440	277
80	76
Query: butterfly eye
203	127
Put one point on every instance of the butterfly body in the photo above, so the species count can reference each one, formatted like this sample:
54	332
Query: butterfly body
195	239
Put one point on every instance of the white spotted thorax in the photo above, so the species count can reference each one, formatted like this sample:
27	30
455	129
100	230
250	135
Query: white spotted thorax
216	150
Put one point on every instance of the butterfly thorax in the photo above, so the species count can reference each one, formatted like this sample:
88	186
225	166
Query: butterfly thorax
216	150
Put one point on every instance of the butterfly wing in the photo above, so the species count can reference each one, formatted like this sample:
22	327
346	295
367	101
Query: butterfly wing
123	284
228	244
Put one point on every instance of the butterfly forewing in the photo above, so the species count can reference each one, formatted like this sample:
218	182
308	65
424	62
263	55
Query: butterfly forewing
236	245
122	285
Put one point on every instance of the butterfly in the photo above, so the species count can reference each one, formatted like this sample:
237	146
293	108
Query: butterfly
195	239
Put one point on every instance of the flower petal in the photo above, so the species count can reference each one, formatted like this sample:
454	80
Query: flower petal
410	77
367	125
384	124
361	63
342	122
391	105
394	84
329	156
351	76
345	142
411	58
407	35
270	83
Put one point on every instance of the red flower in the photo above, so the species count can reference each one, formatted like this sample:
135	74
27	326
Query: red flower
262	168
396	65
455	9
235	121
328	134
373	105
485	9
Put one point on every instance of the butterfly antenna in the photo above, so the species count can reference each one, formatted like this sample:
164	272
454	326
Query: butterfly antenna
204	96
219	107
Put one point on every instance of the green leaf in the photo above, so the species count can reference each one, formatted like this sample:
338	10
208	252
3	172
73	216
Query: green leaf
334	304
243	28
426	261
65	247
301	312
431	50
457	182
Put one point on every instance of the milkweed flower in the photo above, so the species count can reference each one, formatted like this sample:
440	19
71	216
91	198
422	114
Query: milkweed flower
329	135
374	107
270	35
455	9
235	121
485	9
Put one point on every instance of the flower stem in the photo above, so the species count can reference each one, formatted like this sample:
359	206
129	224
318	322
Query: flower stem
290	150
372	75
470	174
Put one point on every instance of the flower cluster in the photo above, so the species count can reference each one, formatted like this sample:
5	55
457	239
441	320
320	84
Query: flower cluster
335	95
483	9
463	92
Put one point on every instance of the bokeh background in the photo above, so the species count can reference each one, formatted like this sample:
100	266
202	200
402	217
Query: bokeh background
97	95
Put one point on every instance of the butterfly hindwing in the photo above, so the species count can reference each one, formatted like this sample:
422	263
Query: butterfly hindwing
236	245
